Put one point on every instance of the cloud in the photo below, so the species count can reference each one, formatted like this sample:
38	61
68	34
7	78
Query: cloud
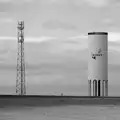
7	6
76	43
21	1
61	71
7	20
114	37
7	38
97	3
78	37
54	24
113	43
57	1
29	39
81	41
94	3
114	68
115	2
12	1
54	69
5	1
45	68
108	21
39	39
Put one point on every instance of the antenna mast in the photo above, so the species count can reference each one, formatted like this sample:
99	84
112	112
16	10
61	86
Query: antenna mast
20	81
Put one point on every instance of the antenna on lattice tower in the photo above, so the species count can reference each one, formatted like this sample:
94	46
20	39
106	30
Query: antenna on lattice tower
20	80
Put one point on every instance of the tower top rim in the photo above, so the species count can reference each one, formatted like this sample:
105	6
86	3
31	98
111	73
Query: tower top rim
97	33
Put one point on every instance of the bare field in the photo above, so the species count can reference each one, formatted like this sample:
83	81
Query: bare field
72	112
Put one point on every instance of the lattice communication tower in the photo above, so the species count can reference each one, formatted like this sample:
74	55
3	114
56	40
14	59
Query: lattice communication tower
20	81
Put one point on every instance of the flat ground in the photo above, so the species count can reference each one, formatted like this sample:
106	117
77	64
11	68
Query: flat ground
13	100
70	112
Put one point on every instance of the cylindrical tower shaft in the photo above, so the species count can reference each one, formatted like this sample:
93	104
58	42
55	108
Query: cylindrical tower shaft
98	62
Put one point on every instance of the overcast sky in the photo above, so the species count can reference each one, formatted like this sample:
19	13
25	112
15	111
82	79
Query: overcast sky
56	52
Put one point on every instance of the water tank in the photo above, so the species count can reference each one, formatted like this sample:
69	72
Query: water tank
98	61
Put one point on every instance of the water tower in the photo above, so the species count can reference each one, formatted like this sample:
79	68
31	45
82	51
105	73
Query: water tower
98	64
